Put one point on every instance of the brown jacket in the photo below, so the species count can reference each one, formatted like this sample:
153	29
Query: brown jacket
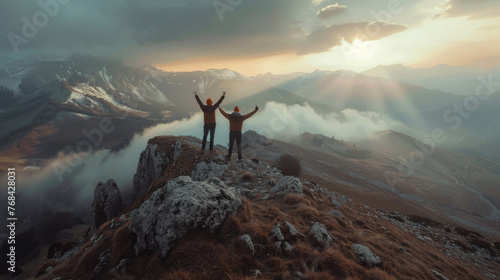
209	111
235	119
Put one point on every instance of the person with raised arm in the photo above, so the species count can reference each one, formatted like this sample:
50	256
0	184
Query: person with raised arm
209	119
235	126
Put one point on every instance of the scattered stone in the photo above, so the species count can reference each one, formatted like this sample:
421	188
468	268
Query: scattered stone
123	217
266	197
248	241
365	255
288	184
207	169
292	230
181	205
288	247
336	204
57	278
115	271
276	233
48	269
336	213
256	273
103	261
107	204
115	224
321	235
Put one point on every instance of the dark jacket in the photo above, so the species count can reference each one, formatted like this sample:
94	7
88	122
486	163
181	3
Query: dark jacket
209	111
236	119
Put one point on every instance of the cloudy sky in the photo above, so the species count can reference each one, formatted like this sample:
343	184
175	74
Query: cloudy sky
258	36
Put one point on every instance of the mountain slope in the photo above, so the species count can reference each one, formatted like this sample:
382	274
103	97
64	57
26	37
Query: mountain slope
315	234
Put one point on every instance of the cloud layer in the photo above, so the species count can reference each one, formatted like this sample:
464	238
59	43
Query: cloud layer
471	9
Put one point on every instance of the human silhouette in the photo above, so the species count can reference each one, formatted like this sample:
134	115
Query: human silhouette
235	126
209	119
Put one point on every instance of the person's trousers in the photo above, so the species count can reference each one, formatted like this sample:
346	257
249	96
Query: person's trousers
206	129
235	135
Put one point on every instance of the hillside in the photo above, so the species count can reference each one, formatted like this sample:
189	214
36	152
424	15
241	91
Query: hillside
198	216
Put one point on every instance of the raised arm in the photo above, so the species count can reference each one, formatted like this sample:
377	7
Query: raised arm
251	113
198	100
220	99
226	115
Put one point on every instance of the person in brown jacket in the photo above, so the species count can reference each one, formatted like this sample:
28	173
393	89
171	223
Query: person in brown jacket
209	119
235	126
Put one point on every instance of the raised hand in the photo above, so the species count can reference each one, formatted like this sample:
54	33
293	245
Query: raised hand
256	108
195	93
223	93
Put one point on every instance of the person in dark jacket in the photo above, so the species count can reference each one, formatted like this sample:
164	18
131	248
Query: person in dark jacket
235	126
209	119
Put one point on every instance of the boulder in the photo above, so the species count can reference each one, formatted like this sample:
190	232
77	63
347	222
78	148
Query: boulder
151	166
321	235
365	255
181	205
207	169
288	184
107	203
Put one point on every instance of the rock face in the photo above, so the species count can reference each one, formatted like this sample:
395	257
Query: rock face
181	205
365	255
107	203
151	166
288	184
207	169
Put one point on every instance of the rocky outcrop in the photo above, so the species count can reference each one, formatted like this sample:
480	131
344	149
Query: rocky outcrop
365	255
181	205
207	169
151	165
288	184
107	204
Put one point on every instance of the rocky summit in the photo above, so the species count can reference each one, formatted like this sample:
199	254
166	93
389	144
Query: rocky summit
196	215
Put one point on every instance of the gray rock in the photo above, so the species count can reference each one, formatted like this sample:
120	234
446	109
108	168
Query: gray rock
288	184
181	205
276	233
320	234
107	204
288	247
177	150
336	213
207	169
336	204
365	255
292	230
248	241
151	166
48	269
103	261
57	278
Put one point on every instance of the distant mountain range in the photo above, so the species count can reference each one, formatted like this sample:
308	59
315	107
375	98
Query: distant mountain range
454	79
44	93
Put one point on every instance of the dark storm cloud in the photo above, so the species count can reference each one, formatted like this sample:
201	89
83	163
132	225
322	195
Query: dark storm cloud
160	31
473	9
